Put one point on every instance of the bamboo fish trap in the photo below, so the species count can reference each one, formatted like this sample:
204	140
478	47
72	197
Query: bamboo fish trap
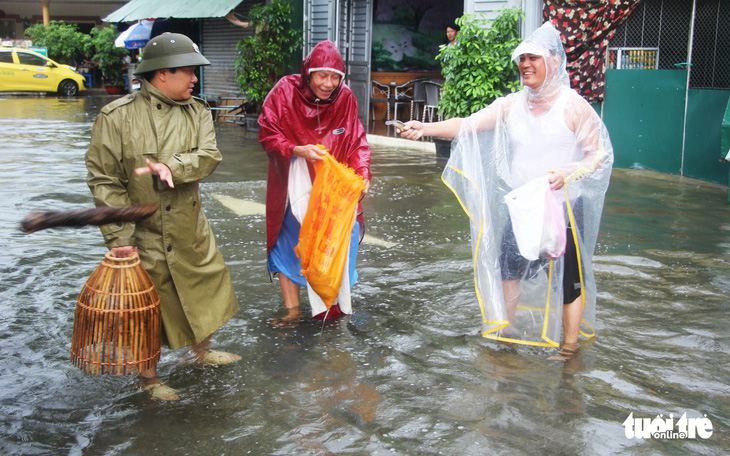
117	320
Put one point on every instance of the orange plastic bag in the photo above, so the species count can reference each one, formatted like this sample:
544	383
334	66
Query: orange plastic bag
327	227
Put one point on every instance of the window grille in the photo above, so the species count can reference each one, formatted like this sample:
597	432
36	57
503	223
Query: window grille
665	26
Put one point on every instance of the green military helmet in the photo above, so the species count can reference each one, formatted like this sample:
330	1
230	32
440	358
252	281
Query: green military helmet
170	50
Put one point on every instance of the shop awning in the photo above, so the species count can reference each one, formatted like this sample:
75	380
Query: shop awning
137	10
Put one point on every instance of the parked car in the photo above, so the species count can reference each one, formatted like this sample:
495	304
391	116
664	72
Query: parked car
23	70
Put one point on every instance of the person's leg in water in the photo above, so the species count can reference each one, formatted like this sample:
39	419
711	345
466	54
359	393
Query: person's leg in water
202	354
512	266
511	290
283	262
572	316
573	302
159	391
290	292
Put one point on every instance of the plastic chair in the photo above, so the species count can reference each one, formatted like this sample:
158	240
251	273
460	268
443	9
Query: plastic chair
433	93
419	97
405	94
380	94
230	108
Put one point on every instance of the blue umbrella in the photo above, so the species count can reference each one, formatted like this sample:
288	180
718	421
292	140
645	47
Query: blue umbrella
136	36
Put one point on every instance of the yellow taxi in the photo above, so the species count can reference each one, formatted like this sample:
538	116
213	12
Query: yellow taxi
23	70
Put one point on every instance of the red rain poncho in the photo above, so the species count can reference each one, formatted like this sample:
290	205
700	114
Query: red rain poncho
293	116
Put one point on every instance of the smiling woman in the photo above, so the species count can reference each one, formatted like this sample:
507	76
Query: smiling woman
23	70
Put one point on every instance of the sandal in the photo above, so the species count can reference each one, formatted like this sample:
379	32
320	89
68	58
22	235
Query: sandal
566	352
160	392
216	358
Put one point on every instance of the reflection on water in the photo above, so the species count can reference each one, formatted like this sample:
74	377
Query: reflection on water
405	374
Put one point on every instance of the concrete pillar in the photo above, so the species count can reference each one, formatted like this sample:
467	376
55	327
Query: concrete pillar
46	12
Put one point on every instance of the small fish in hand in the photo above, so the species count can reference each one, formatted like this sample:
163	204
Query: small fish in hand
397	124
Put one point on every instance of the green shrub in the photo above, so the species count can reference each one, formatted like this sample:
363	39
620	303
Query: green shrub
477	69
110	57
263	57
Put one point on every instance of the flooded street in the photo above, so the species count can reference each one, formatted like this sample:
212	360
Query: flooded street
405	374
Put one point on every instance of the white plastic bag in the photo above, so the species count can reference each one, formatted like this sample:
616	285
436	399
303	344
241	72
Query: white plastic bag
538	220
553	239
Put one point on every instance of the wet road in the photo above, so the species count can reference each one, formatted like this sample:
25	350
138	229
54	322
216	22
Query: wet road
404	375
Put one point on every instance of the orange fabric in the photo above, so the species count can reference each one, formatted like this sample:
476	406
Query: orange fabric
326	229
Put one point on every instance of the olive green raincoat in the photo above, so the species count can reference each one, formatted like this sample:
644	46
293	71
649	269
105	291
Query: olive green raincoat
176	244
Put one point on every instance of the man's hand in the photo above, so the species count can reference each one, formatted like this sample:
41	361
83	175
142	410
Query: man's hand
156	169
310	152
412	130
124	251
366	189
556	180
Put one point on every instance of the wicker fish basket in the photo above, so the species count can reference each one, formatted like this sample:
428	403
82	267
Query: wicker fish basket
117	320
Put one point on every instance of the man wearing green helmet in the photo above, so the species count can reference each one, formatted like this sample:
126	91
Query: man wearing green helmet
153	147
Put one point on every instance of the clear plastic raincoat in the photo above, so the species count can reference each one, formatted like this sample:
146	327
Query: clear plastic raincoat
516	139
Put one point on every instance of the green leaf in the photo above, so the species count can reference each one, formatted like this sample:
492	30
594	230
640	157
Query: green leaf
262	58
478	69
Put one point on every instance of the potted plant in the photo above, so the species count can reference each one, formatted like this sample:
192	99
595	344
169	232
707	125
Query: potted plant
263	57
110	57
478	69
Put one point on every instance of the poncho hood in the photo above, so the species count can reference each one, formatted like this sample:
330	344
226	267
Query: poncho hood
324	57
545	41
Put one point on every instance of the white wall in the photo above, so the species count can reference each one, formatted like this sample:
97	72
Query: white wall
490	10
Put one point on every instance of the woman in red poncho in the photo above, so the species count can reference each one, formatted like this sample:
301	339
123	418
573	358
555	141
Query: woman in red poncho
302	111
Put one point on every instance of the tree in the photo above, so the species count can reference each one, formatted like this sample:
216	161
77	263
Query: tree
63	42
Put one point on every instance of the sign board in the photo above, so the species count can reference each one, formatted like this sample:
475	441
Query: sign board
41	50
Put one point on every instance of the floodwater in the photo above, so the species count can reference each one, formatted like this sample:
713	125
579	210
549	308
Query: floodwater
405	374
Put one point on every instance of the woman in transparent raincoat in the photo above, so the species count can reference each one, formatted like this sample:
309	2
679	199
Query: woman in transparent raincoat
545	129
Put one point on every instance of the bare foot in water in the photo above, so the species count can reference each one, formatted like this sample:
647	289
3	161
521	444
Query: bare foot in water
292	318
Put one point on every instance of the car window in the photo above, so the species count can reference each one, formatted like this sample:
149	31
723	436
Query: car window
30	59
6	57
